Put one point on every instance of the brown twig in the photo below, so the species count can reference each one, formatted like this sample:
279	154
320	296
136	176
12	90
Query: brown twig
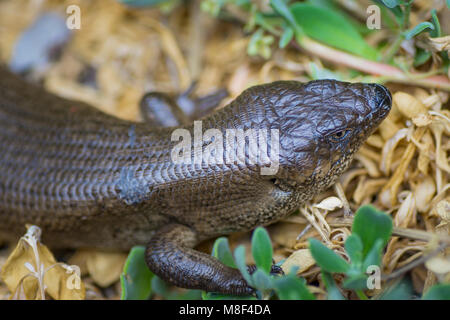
397	273
413	234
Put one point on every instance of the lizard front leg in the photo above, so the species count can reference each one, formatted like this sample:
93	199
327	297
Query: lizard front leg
171	256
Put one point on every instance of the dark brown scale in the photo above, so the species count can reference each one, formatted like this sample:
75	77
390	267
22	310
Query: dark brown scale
89	179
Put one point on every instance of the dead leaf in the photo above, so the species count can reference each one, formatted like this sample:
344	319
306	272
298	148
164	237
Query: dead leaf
443	210
301	258
406	212
31	270
366	188
388	128
329	204
389	148
408	105
424	192
422	119
438	264
104	267
399	174
441	43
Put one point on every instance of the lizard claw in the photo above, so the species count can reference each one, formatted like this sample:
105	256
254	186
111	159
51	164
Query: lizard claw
274	270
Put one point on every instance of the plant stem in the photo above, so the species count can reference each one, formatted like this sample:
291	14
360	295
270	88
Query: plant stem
405	20
387	72
393	48
399	39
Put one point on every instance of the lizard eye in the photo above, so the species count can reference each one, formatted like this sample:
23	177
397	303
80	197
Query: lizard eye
339	135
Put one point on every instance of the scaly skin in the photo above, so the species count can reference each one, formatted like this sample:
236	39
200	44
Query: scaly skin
89	179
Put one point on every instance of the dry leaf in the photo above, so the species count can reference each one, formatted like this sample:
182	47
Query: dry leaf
375	141
438	128
367	188
371	166
399	174
424	192
389	148
408	105
31	268
285	234
443	210
441	43
104	267
301	258
329	204
425	152
406	212
438	264
388	128
422	119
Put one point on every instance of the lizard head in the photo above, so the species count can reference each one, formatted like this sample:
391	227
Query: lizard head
321	125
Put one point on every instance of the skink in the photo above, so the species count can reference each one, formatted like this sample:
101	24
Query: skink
90	179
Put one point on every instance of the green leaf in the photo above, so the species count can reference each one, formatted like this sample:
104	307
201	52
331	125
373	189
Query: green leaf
136	277
286	37
264	22
421	57
418	29
395	8
186	295
356	282
290	287
437	26
370	224
261	280
438	292
259	44
319	72
221	250
354	248
331	28
401	290
373	257
262	249
282	9
239	258
161	288
391	3
326	258
333	292
333	6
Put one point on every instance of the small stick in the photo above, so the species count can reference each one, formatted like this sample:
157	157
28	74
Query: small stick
413	234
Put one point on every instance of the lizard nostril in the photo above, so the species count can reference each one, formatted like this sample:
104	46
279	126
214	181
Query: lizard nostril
383	96
383	99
